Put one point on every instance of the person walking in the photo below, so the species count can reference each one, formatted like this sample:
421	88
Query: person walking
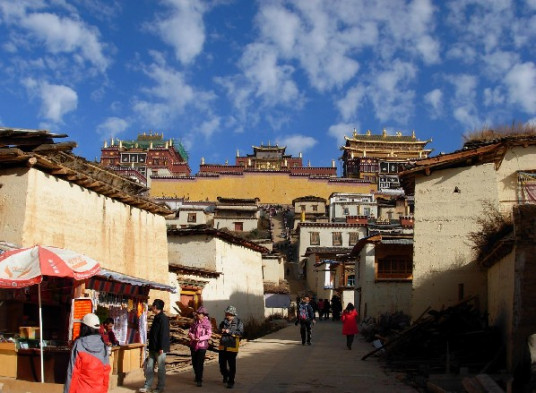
199	334
89	365
306	319
158	347
232	330
349	324
326	308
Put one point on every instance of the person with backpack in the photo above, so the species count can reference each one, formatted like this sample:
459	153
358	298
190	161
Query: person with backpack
231	330
306	319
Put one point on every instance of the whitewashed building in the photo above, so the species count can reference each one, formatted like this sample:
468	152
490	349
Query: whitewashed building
217	269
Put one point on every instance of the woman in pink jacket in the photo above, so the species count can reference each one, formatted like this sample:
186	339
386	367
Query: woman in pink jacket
349	324
199	334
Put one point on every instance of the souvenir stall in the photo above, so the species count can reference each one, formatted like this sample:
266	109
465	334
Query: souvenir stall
40	317
124	299
20	334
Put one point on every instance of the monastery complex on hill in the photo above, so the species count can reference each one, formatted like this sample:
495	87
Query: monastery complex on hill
369	161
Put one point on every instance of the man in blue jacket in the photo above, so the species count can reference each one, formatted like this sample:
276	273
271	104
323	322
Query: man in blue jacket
158	347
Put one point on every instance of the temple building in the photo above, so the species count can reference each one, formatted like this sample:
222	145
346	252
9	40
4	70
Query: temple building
375	158
148	155
268	158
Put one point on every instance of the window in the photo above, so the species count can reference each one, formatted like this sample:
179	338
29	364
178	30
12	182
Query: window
238	226
346	211
337	238
302	207
315	208
315	238
192	217
394	268
366	211
350	282
354	237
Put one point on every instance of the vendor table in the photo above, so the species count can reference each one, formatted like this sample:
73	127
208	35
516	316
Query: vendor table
55	362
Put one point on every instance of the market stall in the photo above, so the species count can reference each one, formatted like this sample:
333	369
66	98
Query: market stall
39	322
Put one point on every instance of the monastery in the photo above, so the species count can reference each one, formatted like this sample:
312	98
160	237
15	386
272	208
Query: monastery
369	161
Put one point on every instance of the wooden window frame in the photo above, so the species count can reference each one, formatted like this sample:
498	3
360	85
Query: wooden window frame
394	268
336	239
314	238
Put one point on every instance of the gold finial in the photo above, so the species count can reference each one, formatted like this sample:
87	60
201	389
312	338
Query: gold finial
202	160
237	153
226	162
355	133
413	134
384	133
369	132
105	144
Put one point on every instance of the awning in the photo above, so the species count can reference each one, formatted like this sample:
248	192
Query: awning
123	278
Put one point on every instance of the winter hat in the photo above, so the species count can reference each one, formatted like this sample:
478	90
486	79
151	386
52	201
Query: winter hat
231	310
91	320
202	310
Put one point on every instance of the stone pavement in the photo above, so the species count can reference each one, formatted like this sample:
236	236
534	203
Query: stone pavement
278	363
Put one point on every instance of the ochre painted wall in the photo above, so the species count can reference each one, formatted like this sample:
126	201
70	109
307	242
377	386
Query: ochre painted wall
276	188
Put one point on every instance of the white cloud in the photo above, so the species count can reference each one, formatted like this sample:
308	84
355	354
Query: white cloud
112	126
434	98
349	104
167	98
56	100
521	85
268	79
297	143
391	97
209	127
184	29
464	101
65	35
339	131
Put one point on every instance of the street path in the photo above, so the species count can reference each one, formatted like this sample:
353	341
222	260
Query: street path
278	363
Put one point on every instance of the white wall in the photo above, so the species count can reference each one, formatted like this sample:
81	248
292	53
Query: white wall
240	283
37	208
501	280
442	249
249	224
376	297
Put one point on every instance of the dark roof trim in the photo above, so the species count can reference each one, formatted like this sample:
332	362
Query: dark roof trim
228	237
114	276
175	268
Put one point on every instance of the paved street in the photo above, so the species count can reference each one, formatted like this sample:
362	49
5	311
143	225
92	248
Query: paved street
276	363
279	363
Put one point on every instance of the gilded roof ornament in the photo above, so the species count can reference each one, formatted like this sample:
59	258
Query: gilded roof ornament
355	133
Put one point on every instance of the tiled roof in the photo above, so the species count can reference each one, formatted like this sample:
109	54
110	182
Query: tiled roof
490	152
36	148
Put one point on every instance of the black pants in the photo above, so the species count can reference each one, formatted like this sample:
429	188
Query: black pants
349	340
198	360
306	331
227	362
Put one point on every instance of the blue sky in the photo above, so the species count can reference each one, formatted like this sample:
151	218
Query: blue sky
224	75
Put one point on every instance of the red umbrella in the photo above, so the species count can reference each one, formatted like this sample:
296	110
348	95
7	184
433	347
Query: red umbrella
24	267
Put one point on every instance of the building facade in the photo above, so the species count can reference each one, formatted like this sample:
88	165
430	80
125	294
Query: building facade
376	158
145	156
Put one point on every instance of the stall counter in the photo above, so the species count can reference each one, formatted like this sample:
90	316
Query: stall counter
126	358
8	360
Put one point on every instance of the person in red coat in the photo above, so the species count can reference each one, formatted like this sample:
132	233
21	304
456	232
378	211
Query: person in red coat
349	324
89	367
